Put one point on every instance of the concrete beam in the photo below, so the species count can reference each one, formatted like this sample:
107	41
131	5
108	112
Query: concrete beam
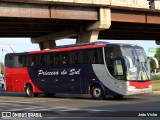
104	20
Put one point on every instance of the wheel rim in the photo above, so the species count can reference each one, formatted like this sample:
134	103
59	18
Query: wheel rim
28	91
97	92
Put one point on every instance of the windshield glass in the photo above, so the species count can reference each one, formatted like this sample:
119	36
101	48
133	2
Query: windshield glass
136	63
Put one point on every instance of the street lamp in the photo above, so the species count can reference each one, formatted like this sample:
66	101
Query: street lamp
9	47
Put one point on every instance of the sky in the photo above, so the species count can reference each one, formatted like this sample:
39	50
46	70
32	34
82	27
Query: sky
8	45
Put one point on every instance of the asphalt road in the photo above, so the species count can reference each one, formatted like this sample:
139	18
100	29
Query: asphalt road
79	107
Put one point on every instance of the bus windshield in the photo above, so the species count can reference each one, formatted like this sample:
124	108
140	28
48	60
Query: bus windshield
136	62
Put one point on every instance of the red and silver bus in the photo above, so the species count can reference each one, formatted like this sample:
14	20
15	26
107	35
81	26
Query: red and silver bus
98	69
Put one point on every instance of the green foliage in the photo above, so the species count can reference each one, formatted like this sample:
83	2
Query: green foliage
156	89
157	55
155	77
2	69
152	63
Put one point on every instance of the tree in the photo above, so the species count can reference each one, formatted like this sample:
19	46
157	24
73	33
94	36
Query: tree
152	62
157	55
152	65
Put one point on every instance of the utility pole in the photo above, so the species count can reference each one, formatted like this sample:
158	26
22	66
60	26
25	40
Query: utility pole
1	62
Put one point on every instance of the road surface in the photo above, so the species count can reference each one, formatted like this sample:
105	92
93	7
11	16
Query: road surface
80	106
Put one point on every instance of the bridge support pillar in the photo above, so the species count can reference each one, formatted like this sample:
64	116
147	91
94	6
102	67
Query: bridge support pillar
88	36
85	34
90	32
47	45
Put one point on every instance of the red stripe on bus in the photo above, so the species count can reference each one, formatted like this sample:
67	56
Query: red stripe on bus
140	84
68	49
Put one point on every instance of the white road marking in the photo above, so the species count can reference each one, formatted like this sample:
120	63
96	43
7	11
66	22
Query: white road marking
25	109
28	101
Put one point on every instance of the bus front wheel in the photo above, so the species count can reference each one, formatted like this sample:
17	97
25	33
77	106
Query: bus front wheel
96	92
29	91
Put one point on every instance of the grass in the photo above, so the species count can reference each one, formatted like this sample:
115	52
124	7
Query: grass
156	85
156	89
156	81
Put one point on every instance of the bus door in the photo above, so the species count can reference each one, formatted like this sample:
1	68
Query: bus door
118	66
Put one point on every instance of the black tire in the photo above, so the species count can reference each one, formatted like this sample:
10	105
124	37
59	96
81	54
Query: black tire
29	91
118	97
96	92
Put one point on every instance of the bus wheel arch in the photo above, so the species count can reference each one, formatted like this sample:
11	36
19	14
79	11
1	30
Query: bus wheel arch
29	91
97	91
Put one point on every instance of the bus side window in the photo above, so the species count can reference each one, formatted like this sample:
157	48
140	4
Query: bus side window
109	59
73	57
81	57
52	59
92	56
22	61
57	59
64	58
18	61
99	56
31	60
9	61
41	60
47	59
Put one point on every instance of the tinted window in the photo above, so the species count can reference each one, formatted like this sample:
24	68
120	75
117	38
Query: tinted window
73	57
64	58
9	60
15	61
87	56
32	60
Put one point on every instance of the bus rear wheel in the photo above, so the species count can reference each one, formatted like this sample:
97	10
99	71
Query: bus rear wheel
29	91
96	92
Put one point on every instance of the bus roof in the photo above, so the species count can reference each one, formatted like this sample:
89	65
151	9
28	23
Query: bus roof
72	47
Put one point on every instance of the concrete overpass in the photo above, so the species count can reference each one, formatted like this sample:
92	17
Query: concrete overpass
87	20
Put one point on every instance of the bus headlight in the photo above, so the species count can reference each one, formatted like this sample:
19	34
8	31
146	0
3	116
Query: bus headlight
150	86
